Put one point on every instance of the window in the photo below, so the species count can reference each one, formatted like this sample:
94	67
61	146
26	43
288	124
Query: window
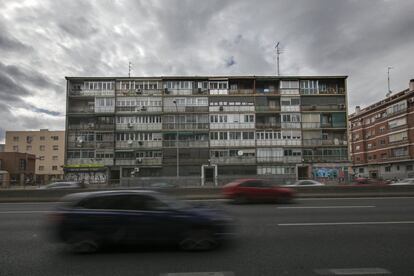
409	167
398	137
22	164
289	84
397	122
54	168
55	147
16	148
382	129
41	168
15	138
383	155
357	147
361	170
42	138
55	138
29	139
55	158
388	168
400	106
382	142
42	148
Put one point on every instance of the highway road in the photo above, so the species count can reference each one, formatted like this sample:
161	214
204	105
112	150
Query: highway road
366	236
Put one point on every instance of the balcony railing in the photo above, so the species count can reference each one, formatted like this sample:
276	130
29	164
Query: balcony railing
105	144
91	93
97	161
104	109
196	109
204	126
183	144
321	107
232	125
311	125
81	109
232	143
279	159
325	158
267	108
104	126
289	92
139	92
322	142
268	125
399	157
81	145
290	108
138	144
279	142
91	126
240	92
266	91
145	161
233	160
139	109
290	125
138	126
232	108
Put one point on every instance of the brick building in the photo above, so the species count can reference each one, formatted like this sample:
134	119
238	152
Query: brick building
16	168
382	137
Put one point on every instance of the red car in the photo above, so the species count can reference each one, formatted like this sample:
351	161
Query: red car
246	190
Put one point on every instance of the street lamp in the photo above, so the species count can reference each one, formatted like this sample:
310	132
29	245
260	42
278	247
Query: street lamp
178	140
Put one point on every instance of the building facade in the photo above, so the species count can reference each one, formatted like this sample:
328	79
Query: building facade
16	169
47	146
382	137
206	127
2	147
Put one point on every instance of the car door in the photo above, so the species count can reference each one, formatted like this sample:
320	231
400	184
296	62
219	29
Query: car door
251	189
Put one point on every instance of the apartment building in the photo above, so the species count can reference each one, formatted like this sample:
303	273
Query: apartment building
206	127
47	146
381	137
16	169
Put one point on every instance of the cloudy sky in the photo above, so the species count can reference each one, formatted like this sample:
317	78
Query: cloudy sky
41	42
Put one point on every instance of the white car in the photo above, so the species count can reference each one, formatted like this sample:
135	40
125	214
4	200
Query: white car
305	183
407	181
62	185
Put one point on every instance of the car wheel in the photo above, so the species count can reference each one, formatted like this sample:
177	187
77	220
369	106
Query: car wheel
199	240
240	199
83	244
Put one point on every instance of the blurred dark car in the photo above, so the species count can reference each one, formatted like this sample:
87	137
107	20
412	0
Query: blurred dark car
88	221
370	181
256	190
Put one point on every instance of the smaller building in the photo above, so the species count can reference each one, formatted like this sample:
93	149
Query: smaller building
48	147
16	169
382	137
2	147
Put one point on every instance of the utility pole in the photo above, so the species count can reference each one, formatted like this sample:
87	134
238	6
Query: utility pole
177	141
129	69
389	88
278	52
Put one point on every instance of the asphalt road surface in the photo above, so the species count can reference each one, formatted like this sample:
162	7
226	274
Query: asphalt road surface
371	236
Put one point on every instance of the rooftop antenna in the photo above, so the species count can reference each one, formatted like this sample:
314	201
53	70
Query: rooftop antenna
389	89
129	69
278	52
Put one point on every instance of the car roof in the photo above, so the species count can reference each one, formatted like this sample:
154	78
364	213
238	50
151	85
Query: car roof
83	195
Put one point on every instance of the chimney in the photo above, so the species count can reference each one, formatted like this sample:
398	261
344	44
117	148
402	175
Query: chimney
357	109
411	85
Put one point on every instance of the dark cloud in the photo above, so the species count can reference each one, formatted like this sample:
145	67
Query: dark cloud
230	61
45	111
10	44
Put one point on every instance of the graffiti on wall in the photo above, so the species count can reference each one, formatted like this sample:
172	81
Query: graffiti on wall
87	177
328	173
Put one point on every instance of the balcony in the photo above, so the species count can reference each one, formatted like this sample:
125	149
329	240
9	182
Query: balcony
267	108
232	108
323	142
268	125
81	109
91	126
279	159
232	125
105	144
239	92
139	92
82	145
233	160
107	127
138	144
279	142
290	108
196	109
399	157
144	161
285	92
331	107
186	126
267	91
325	158
311	125
290	125
138	126
91	93
138	109
232	143
185	144
90	161
104	109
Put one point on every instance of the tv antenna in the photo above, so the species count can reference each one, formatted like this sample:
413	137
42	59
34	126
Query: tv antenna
388	74
129	69
278	52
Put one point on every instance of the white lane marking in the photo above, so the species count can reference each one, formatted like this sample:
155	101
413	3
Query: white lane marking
30	203
344	223
354	198
353	271
325	207
225	273
22	212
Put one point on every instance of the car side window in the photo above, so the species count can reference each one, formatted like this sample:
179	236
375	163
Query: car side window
253	184
143	203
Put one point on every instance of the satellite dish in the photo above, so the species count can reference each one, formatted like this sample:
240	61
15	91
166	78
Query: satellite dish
79	139
129	142
240	153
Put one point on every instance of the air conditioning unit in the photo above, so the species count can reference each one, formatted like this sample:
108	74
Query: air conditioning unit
221	108
130	142
166	91
313	107
91	125
138	91
144	108
129	125
141	143
138	160
341	106
199	90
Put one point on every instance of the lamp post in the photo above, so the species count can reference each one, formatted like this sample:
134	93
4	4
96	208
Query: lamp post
178	140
